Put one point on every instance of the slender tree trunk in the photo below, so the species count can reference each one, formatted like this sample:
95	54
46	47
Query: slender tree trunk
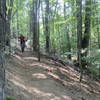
9	25
38	17
98	32
47	26
67	34
17	18
98	37
79	33
30	35
43	19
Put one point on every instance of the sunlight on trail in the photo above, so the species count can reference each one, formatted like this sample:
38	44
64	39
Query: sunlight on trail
54	75
30	58
19	58
44	66
39	75
67	97
37	92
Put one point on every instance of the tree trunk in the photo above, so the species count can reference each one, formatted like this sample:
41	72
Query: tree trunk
17	18
9	25
86	35
35	28
86	38
79	33
38	26
2	46
47	31
67	34
43	19
98	36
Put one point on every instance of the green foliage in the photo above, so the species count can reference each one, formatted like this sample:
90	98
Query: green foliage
94	70
9	98
93	57
94	61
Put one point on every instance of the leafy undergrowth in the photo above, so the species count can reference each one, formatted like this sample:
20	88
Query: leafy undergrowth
94	71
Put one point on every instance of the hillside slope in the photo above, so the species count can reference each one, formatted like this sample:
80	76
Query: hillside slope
27	79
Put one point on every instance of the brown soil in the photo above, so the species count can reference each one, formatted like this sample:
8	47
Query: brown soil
28	79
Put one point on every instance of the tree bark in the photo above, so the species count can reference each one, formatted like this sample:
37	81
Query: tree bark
79	33
67	34
98	37
35	26
86	38
2	46
9	25
38	17
47	31
86	35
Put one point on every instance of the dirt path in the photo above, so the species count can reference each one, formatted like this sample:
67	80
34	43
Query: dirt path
27	79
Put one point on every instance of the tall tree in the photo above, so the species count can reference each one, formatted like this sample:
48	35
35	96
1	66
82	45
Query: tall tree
86	36
47	31
79	33
17	5
2	45
9	17
38	26
67	34
35	26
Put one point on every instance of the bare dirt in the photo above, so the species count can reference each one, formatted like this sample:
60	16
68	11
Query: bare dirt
28	79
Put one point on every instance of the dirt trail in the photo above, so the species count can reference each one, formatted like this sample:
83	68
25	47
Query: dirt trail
27	79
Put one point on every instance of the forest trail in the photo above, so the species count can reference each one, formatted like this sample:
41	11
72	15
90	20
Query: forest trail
28	79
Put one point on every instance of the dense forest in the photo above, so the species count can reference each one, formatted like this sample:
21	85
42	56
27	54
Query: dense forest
67	31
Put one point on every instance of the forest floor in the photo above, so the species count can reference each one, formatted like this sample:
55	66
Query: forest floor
28	79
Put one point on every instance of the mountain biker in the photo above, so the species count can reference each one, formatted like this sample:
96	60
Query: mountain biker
22	42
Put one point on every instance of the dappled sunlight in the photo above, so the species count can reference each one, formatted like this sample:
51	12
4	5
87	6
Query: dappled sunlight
42	65
64	82
56	98
19	58
39	76
40	93
50	96
65	75
11	76
67	97
73	75
37	92
63	69
51	63
34	64
54	75
30	58
86	88
98	84
48	67
18	84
